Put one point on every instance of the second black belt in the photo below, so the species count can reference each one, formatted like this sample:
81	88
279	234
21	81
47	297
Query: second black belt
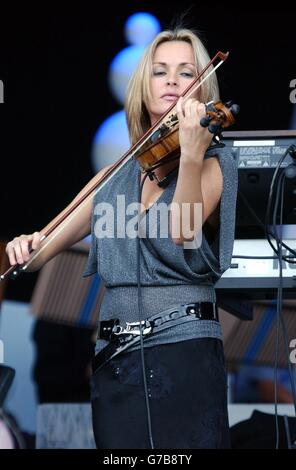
122	337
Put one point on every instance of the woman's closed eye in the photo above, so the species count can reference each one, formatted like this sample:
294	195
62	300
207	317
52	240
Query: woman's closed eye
188	74
158	72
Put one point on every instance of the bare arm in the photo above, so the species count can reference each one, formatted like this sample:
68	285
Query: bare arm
200	182
197	183
77	228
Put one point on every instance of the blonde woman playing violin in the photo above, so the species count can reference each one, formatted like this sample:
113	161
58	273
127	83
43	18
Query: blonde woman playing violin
158	372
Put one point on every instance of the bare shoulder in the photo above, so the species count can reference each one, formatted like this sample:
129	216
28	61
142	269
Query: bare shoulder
97	177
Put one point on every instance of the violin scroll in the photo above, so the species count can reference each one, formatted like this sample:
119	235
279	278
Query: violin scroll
219	116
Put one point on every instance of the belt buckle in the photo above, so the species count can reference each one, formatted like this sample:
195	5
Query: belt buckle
134	328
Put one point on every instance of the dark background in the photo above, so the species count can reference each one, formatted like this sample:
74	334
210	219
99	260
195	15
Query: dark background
54	63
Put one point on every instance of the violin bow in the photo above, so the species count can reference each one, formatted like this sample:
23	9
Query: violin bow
61	221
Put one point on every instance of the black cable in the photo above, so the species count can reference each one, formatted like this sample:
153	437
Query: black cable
279	256
279	303
279	197
278	181
284	329
287	258
290	150
262	225
140	310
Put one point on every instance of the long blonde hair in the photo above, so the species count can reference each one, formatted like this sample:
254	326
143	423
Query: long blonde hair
138	92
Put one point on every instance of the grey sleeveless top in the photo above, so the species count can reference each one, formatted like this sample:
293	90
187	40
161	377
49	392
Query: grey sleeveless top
170	275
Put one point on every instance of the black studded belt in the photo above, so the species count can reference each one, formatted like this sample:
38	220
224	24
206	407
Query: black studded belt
122	337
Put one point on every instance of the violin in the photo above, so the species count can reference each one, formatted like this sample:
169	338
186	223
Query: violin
163	144
158	146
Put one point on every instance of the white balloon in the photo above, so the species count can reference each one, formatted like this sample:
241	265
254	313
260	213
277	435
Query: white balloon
141	28
121	70
111	140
